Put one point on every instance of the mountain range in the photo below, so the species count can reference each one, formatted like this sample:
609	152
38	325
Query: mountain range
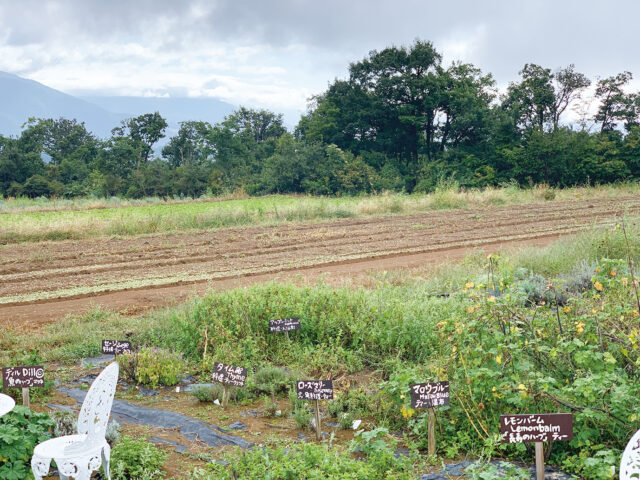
21	98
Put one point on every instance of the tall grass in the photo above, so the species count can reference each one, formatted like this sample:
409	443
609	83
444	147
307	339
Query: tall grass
36	220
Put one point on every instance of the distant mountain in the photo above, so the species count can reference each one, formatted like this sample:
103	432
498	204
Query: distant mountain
173	109
21	98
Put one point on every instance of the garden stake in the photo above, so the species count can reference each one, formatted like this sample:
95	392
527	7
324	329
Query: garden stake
318	432
26	401
431	431
539	461
225	396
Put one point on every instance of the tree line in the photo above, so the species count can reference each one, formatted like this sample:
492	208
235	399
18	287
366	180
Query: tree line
401	121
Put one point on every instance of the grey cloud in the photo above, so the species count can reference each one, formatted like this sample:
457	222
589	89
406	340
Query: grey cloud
599	37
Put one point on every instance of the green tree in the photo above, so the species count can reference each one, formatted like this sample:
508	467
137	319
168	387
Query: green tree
190	145
615	104
143	131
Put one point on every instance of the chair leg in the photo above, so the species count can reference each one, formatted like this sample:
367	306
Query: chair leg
40	467
106	460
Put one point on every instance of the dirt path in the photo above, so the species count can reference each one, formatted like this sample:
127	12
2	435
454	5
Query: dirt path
43	282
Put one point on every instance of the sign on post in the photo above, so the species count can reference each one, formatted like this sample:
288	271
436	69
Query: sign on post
115	347
550	427
538	428
24	378
429	395
315	390
284	325
229	374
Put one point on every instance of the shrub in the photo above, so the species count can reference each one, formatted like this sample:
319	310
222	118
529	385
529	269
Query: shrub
152	366
65	423
303	415
304	461
271	380
20	431
208	393
136	459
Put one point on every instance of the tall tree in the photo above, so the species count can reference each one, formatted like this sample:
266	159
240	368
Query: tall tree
144	130
615	104
568	86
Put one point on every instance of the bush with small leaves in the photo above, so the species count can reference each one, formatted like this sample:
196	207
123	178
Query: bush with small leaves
136	459
152	366
271	380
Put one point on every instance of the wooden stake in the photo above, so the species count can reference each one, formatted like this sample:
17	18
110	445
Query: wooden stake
225	396
539	461
206	343
431	432
26	401
318	431
287	335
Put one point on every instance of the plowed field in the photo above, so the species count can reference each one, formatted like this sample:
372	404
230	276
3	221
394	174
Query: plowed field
40	282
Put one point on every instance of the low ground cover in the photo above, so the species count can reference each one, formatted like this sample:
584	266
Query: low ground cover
545	330
36	220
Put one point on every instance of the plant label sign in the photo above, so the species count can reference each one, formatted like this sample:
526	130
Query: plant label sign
552	427
284	325
235	376
315	389
429	395
115	347
22	377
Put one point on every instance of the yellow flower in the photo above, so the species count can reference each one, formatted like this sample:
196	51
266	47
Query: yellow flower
471	309
598	286
625	280
521	387
613	273
494	389
469	285
407	412
498	358
579	327
593	310
566	309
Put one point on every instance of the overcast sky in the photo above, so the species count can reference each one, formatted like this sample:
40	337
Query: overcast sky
276	54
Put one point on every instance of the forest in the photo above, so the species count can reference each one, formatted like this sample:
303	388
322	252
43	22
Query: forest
401	121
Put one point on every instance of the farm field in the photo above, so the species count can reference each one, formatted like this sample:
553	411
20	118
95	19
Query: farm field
543	329
140	271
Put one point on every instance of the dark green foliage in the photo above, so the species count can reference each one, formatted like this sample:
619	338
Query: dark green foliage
400	121
20	431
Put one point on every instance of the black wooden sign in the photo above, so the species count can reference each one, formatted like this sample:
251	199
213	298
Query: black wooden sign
551	427
284	325
22	377
315	389
229	374
115	347
428	395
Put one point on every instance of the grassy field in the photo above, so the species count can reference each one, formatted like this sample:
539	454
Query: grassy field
36	220
533	331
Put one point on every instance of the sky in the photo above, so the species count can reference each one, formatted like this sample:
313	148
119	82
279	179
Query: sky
277	54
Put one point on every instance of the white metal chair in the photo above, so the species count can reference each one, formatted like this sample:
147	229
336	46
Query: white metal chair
79	455
630	463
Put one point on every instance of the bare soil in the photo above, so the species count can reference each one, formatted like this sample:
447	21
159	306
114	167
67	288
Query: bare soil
162	269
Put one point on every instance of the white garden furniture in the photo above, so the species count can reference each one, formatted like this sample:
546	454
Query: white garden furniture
77	456
6	404
630	464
